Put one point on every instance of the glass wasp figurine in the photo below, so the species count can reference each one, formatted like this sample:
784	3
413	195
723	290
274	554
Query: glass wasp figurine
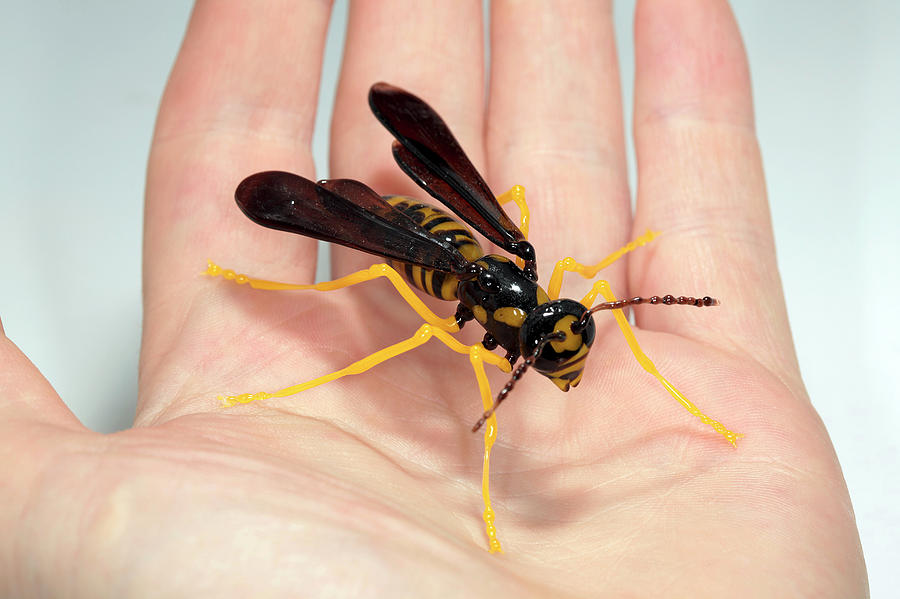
440	256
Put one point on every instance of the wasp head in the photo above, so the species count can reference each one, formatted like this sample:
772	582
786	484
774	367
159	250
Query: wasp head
561	360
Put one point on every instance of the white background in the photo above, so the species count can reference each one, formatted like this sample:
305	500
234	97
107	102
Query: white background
82	81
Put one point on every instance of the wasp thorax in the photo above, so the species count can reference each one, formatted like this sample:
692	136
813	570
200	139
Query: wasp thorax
562	361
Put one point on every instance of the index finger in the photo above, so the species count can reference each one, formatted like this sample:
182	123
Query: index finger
241	98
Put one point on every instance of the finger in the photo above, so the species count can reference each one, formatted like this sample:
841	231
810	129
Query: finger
27	397
33	423
241	98
434	50
555	125
700	181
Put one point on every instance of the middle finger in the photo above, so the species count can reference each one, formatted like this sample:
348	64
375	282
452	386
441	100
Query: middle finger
555	126
433	49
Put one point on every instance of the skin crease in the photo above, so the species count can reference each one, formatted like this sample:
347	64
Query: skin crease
369	486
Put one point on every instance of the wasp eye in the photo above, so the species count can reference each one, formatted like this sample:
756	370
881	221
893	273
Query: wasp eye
488	283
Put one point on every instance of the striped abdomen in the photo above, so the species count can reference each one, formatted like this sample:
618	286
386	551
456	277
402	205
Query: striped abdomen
440	224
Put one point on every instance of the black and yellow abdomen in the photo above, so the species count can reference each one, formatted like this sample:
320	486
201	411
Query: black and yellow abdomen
440	224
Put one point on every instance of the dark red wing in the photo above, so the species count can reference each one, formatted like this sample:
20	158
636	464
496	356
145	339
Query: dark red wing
345	212
432	157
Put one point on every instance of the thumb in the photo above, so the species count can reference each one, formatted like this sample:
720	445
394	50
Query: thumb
26	397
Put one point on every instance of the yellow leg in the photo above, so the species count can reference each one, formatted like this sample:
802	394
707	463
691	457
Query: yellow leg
516	194
425	332
436	327
602	288
477	355
373	272
589	272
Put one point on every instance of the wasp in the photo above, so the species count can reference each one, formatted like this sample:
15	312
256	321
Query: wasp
440	256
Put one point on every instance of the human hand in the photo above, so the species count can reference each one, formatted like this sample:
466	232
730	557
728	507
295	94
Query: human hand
370	485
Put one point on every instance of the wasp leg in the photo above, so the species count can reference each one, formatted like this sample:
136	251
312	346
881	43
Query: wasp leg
373	272
516	194
436	327
602	288
478	355
589	272
425	332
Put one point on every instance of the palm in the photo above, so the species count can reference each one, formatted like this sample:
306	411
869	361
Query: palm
370	485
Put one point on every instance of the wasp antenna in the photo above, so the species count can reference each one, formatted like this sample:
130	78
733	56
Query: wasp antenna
516	375
666	300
